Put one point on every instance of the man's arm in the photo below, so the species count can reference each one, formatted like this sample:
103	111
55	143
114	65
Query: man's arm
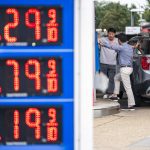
115	47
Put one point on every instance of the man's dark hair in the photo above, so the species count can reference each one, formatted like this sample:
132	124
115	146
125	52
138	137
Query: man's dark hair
122	37
111	30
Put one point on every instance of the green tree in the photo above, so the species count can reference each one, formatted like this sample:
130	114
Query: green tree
112	15
147	12
99	12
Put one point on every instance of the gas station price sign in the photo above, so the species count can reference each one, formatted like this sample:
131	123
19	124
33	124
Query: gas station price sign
37	74
24	77
30	26
30	125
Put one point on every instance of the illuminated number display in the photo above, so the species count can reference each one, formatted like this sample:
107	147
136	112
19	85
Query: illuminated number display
33	26
31	125
24	77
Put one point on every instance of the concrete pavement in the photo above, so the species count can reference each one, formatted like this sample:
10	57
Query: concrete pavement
127	130
103	107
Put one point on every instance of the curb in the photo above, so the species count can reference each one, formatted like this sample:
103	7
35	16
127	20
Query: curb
105	107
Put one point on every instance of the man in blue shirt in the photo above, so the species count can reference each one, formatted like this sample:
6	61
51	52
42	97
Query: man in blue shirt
125	56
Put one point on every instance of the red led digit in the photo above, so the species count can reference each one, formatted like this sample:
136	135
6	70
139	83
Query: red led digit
11	25
52	67
36	24
52	134
52	130
34	124
52	34
52	27
36	75
16	124
15	64
52	77
52	114
52	85
52	15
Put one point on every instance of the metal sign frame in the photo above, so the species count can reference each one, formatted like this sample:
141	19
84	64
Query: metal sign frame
65	51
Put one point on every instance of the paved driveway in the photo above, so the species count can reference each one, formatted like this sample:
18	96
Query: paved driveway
127	130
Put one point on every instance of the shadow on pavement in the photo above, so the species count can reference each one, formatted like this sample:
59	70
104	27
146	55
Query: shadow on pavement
145	102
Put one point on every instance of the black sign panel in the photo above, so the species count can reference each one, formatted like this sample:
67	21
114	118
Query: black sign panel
22	77
30	125
23	26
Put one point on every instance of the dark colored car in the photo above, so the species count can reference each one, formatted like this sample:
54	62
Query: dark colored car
141	68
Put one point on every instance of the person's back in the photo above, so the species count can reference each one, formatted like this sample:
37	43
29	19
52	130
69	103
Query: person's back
126	55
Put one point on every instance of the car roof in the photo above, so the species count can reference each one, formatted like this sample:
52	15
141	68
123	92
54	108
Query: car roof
138	38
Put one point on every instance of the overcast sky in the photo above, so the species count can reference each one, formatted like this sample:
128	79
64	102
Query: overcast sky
129	2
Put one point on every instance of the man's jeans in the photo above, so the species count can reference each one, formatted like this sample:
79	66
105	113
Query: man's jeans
124	75
109	71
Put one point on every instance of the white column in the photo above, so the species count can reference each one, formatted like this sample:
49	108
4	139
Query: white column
84	73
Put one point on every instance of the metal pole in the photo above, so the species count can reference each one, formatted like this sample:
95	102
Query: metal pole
132	20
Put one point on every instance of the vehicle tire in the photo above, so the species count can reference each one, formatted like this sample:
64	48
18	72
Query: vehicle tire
138	100
137	97
120	95
135	90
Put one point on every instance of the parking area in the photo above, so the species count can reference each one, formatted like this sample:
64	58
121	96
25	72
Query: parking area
126	130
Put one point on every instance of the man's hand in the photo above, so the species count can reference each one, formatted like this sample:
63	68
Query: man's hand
100	42
136	45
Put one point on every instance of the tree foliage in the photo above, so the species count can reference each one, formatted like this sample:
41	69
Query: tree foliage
147	12
112	15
